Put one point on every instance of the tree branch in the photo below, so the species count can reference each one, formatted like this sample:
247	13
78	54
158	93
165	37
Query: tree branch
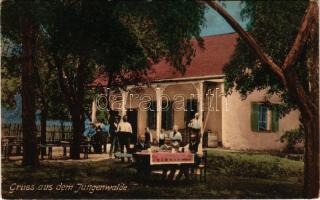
249	39
305	27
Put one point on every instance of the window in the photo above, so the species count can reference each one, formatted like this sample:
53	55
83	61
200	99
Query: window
264	117
152	115
167	115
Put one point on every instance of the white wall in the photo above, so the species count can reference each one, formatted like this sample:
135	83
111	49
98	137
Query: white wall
236	124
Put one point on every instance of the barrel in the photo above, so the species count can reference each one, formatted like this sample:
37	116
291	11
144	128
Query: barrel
212	139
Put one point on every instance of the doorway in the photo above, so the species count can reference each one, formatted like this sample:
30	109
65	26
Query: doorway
133	120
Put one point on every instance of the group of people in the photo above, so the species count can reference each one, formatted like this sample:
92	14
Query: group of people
121	131
97	134
174	142
174	139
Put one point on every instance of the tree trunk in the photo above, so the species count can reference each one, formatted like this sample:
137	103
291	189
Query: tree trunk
311	158
30	154
77	111
311	125
309	109
77	116
76	137
43	125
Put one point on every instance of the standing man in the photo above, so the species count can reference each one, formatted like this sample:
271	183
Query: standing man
114	139
125	131
105	130
195	127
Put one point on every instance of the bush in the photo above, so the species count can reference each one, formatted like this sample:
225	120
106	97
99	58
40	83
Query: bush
253	165
293	137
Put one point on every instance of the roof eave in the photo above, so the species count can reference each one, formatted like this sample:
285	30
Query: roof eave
194	78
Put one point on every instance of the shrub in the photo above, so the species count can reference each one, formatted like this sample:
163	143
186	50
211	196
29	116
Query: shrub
253	165
293	137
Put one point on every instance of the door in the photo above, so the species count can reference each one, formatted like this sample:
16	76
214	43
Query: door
133	120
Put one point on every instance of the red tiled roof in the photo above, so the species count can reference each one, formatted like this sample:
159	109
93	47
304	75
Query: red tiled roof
208	61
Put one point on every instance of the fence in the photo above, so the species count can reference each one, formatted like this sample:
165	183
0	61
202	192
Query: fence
54	133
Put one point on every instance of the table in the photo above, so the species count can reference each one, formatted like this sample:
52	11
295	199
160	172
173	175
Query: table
45	146
148	161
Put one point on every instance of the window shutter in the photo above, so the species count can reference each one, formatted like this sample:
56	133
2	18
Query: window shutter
186	112
152	115
254	117
275	119
191	109
169	116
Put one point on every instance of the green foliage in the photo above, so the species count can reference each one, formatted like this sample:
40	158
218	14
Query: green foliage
170	25
292	138
10	73
124	36
253	165
10	87
46	88
101	116
116	36
274	25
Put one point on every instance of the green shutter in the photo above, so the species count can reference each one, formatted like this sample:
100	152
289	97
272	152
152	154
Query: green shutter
169	116
254	117
152	115
275	119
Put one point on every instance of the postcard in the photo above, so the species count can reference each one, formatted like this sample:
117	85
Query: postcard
196	99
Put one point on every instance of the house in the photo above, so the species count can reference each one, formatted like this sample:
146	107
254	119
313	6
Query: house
173	99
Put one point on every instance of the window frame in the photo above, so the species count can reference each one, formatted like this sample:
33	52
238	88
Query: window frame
255	117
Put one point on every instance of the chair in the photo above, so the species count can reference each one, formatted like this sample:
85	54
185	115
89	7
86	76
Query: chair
203	167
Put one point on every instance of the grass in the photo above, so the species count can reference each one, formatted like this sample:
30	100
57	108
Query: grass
230	175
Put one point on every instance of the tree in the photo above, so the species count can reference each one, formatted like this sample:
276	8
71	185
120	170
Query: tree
295	79
24	32
109	40
44	83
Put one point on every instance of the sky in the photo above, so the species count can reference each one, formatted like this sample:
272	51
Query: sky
216	25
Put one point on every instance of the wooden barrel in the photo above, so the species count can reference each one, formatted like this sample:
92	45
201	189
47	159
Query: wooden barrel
212	139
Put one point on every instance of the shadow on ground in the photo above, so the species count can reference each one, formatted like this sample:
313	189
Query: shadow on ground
230	175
